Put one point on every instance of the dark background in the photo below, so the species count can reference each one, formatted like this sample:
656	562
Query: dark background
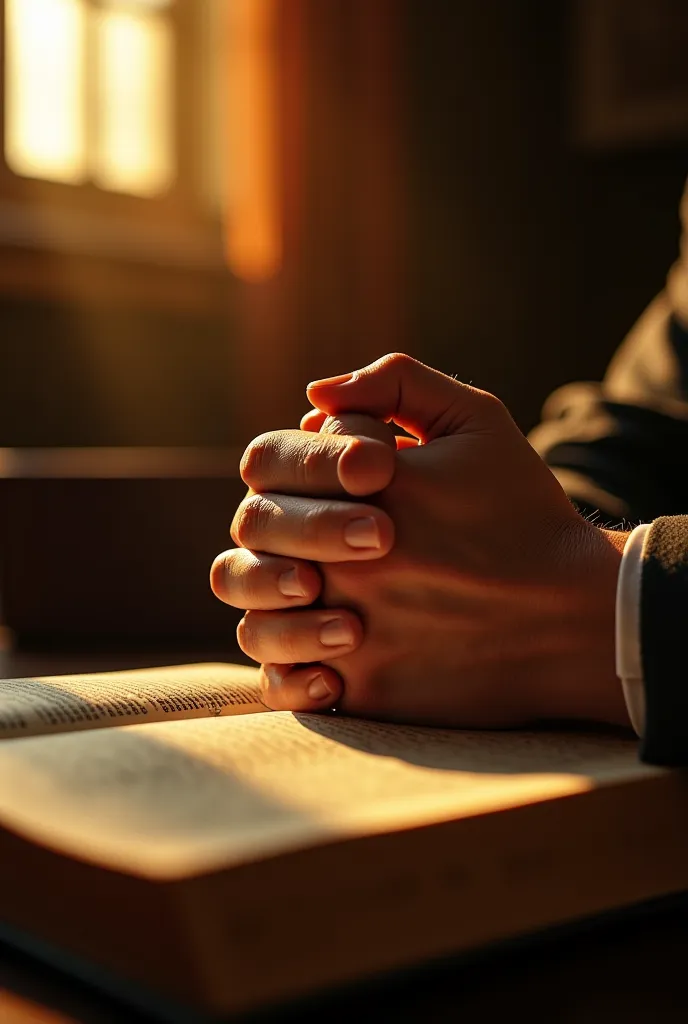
529	254
443	194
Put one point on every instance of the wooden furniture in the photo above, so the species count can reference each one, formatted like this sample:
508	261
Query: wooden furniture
78	525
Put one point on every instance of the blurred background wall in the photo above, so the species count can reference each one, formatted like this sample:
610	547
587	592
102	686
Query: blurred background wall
206	203
522	251
536	239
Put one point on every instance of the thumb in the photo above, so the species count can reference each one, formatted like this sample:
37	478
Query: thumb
423	401
359	425
367	467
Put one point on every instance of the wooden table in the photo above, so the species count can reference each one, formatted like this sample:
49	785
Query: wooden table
629	970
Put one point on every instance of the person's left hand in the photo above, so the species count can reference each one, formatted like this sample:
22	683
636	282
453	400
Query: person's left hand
495	606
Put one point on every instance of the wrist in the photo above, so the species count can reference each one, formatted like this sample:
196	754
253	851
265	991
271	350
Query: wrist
581	675
616	539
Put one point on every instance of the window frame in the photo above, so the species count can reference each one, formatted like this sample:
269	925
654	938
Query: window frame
176	227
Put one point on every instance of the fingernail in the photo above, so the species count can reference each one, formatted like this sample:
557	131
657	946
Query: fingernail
336	633
318	688
362	533
289	585
329	382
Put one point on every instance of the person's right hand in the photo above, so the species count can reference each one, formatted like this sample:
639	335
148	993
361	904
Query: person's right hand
496	604
330	460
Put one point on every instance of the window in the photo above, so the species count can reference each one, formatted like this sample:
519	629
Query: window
112	148
89	93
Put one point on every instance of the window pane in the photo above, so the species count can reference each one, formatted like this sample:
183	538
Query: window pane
44	98
134	149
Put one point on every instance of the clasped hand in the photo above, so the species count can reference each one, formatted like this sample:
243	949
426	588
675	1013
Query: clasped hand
441	578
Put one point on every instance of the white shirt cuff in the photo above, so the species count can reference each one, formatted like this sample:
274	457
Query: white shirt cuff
629	664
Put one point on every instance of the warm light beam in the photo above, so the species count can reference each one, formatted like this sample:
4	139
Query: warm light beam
254	229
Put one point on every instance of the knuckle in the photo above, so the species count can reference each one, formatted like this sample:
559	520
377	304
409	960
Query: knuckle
492	403
233	530
308	465
215	579
398	360
252	520
240	578
313	462
219	575
243	637
258	586
265	636
287	646
217	567
256	459
312	526
248	637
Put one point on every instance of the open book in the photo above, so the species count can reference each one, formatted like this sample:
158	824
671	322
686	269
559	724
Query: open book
202	856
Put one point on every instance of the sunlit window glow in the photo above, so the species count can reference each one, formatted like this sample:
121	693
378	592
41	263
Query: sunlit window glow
89	93
44	89
134	150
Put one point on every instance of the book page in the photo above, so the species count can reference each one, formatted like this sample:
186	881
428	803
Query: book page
32	707
180	798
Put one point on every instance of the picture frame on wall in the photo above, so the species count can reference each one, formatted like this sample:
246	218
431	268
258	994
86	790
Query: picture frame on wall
631	72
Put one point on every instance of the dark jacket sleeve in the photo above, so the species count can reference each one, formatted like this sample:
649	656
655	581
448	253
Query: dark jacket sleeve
622	446
663	622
